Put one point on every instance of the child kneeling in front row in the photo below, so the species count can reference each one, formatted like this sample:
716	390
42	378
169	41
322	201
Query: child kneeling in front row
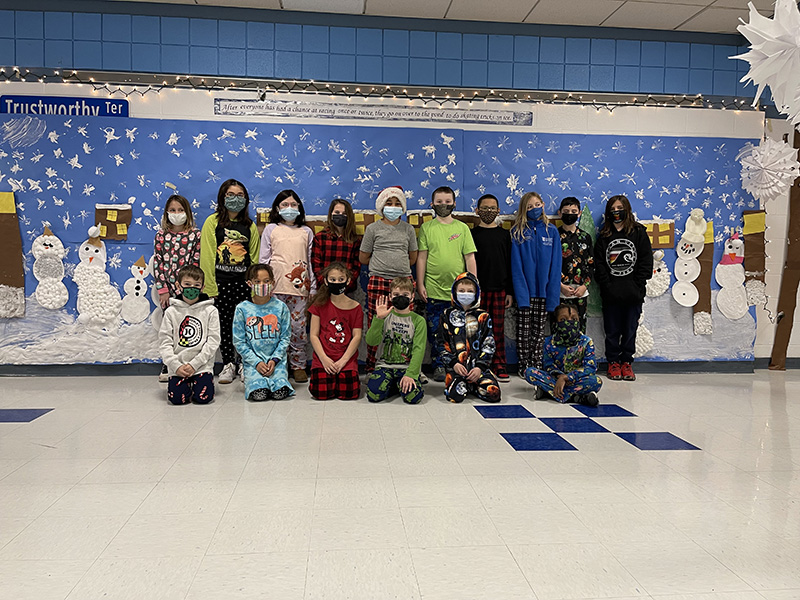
336	325
189	338
465	335
569	371
262	329
400	336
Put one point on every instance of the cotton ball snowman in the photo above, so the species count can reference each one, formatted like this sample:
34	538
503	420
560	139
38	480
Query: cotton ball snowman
99	302
659	282
644	339
732	298
48	268
135	305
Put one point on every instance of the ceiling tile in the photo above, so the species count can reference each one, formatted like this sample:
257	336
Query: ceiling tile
764	6
716	20
422	9
651	15
265	4
355	7
687	2
508	11
574	12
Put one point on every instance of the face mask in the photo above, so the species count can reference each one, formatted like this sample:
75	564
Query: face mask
569	219
392	213
443	210
190	293
535	214
465	299
488	215
340	220
262	289
177	219
336	288
401	302
567	332
235	203
289	214
618	215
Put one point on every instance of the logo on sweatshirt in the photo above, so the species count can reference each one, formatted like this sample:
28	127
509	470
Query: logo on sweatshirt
621	257
190	332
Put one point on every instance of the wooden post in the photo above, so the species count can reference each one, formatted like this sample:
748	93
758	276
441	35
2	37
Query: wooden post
787	299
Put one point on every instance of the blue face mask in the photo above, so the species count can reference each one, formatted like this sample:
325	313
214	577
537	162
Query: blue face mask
465	299
289	214
234	203
535	214
393	212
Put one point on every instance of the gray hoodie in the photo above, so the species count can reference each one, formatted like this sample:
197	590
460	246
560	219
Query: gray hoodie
190	334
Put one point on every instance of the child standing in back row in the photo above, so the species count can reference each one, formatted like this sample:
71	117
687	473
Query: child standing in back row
286	246
390	248
336	324
493	261
577	257
445	250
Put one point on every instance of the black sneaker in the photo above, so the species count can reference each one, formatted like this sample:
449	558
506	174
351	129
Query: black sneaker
260	395
282	393
589	399
163	376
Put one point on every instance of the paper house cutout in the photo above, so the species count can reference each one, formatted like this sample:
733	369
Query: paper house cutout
114	220
661	233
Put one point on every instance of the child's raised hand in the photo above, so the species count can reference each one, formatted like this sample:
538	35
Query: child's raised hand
382	308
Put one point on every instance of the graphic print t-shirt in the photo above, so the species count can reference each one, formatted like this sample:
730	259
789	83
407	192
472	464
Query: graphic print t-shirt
233	250
336	331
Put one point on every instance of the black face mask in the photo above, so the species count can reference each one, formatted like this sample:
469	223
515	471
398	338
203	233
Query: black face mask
336	288
340	220
443	210
401	302
569	218
618	215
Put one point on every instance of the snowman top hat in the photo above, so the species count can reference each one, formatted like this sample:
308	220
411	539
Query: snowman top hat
140	262
94	236
47	230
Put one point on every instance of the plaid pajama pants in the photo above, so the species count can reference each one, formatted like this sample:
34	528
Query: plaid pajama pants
324	386
530	334
376	288
495	304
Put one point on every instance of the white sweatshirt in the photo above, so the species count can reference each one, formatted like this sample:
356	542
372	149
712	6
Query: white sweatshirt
190	334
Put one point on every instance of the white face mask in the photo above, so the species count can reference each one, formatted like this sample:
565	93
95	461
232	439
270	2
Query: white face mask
465	299
177	218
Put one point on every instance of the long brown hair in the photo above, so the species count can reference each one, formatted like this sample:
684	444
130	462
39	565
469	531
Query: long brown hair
349	231
166	225
608	222
520	223
323	294
222	212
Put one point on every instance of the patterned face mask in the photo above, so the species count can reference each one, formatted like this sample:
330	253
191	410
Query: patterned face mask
488	215
567	333
262	289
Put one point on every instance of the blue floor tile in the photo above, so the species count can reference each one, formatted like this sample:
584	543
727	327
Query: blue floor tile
21	415
507	411
603	410
573	425
537	441
656	440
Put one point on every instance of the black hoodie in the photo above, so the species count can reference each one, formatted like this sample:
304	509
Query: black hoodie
622	265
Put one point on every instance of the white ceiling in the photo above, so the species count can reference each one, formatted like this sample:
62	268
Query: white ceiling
710	16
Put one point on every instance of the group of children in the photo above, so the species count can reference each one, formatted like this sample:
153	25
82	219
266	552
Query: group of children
260	291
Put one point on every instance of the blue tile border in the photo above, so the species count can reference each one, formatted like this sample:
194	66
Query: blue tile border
603	410
537	442
656	440
504	411
573	425
21	415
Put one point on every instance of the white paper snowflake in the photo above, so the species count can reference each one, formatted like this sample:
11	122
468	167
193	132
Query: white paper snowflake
769	169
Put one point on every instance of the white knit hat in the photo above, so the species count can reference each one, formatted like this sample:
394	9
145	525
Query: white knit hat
390	192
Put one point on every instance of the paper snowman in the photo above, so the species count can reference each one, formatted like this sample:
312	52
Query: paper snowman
659	282
135	305
732	298
99	302
687	267
48	268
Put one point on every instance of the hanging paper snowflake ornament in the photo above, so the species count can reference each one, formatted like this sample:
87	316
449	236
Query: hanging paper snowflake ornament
769	169
774	55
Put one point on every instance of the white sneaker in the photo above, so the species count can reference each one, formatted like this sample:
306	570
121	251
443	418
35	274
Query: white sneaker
163	376
423	379
228	374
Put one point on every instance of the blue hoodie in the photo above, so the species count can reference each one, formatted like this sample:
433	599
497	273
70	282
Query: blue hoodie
536	265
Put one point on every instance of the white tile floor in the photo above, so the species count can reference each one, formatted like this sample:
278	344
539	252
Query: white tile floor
115	494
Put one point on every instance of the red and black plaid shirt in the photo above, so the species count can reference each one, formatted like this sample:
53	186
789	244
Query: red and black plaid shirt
329	247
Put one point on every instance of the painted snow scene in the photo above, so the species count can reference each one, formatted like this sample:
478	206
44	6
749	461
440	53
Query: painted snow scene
85	300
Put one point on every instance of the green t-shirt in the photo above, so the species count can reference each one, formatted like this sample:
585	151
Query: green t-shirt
446	246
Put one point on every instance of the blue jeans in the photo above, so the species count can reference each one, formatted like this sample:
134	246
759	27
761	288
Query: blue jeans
433	312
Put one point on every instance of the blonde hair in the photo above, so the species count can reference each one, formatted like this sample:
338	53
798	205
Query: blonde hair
520	223
166	225
403	284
